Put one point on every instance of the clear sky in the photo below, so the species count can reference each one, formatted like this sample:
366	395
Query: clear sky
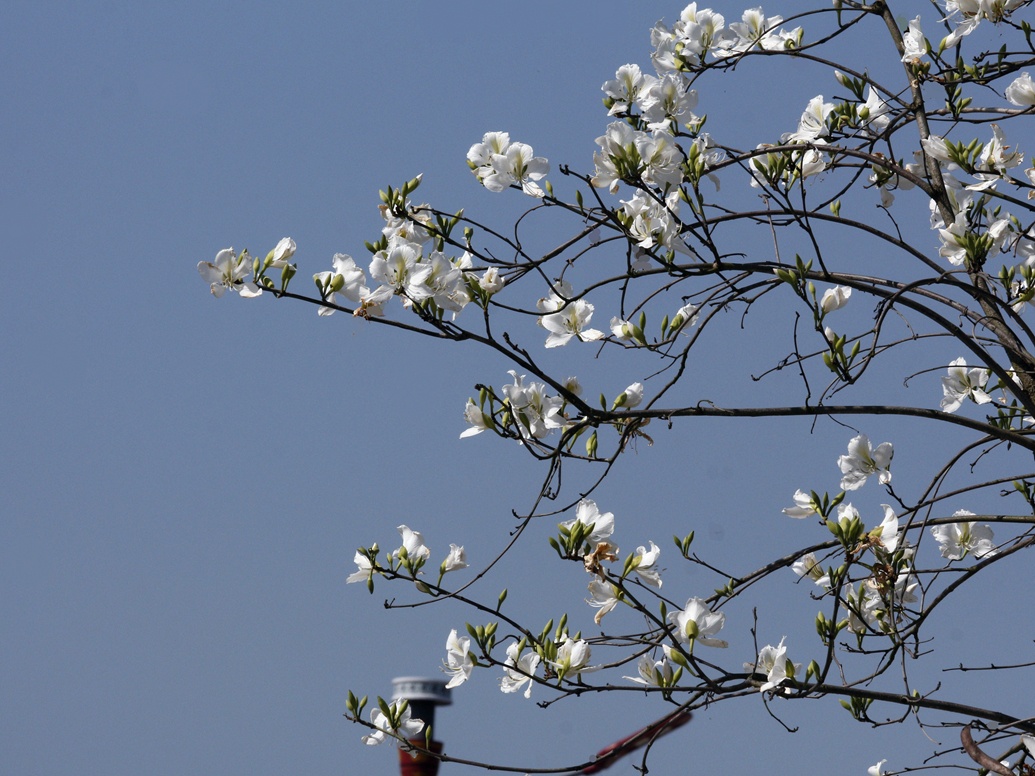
185	479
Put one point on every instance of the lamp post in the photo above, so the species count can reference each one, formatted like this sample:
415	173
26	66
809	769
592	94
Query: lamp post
423	694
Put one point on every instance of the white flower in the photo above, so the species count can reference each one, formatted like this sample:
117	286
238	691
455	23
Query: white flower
412	545
535	413
685	316
623	330
630	397
954	240
560	293
1022	91
649	222
476	418
876	770
834	298
874	111
492	281
887	531
459	662
399	269
285	250
573	386
813	122
773	662
645	564
363	569
808	566
861	462
600	526
519	670
653	673
229	271
515	165
913	43
455	560
962	384
572	657
803	506
604	598
958	539
697	624
624	89
405	726
1029	744
492	143
997	157
346	279
570	322
667	99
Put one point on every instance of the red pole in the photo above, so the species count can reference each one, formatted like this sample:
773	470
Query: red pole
607	756
413	763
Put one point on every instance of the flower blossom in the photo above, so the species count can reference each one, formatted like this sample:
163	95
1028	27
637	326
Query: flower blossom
623	90
455	560
405	725
645	564
914	44
399	271
498	164
570	322
813	122
476	419
649	222
604	598
345	279
229	271
492	281
631	397
861	462
572	657
834	298
460	661
655	673
887	532
808	566
600	525
519	670
962	384
284	250
561	292
413	548
697	624
773	662
534	413
803	506
956	540
364	569
1022	91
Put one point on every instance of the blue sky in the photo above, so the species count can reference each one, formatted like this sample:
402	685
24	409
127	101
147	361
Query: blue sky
186	479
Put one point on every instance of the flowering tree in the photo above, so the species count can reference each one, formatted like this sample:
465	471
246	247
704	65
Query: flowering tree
654	262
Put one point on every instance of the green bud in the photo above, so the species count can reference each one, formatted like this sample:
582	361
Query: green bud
591	445
286	274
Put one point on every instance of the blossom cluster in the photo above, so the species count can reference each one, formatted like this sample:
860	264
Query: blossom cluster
879	600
